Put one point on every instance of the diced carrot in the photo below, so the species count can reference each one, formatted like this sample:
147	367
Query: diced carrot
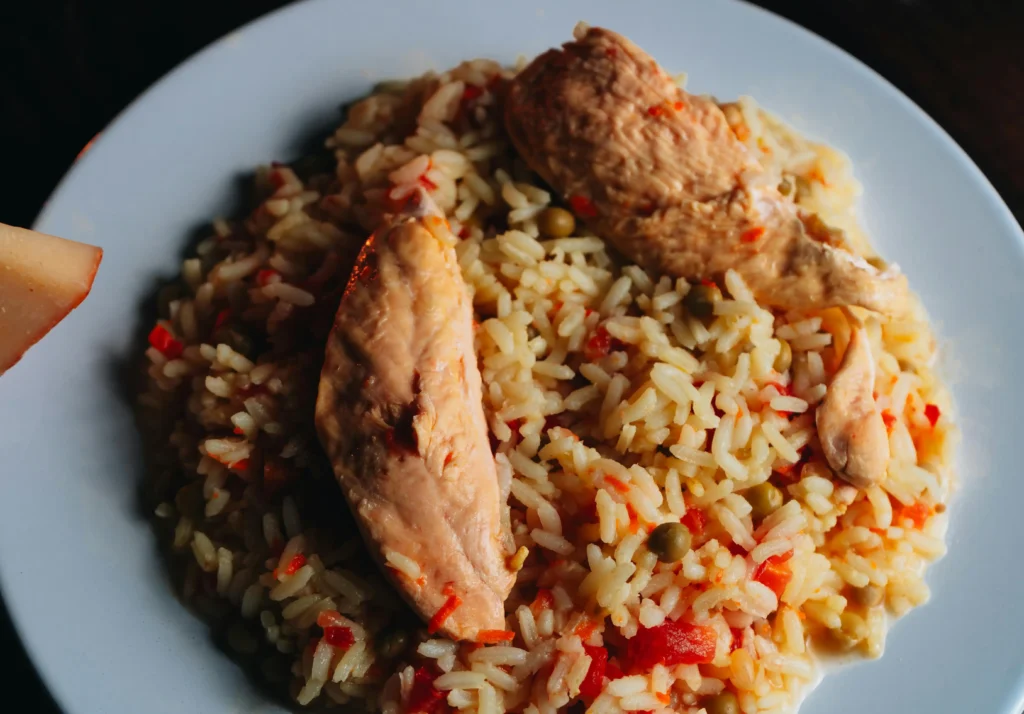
617	484
917	513
634	518
816	175
889	419
442	615
585	629
543	600
492	637
329	618
294	564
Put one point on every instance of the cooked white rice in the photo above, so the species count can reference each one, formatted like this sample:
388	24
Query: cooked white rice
617	409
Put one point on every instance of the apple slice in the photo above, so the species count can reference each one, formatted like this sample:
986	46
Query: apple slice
42	279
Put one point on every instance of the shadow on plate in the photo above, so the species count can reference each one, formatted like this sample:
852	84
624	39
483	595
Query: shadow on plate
127	373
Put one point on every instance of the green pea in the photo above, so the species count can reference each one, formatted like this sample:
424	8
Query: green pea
700	301
868	596
556	222
764	500
670	542
724	703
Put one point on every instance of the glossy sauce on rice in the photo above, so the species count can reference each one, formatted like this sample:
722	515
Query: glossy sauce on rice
620	400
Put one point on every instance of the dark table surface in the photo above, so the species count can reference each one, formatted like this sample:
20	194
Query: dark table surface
68	67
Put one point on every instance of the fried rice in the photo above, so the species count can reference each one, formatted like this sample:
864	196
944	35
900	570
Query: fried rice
616	405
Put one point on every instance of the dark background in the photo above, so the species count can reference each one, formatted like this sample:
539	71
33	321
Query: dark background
67	67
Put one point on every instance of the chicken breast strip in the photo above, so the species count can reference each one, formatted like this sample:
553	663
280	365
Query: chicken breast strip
399	413
660	174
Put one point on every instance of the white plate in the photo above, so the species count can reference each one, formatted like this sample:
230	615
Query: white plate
78	562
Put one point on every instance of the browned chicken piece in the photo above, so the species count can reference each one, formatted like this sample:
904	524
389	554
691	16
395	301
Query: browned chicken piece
400	415
850	425
660	174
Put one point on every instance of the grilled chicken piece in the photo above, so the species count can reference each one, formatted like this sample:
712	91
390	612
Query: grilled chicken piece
399	413
660	174
850	425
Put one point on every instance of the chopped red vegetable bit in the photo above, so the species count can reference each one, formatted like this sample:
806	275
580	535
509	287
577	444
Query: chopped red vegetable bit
471	92
708	283
917	513
339	637
593	683
656	110
585	629
241	465
492	637
442	615
774	573
634	518
889	419
266	276
932	413
694	520
329	618
782	389
678	106
543	600
427	183
613	671
423	697
600	344
616	484
222	317
670	644
164	343
750	236
582	206
737	639
294	564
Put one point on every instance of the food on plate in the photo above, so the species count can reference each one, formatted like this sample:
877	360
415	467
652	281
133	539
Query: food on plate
680	440
42	279
850	425
661	175
400	415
